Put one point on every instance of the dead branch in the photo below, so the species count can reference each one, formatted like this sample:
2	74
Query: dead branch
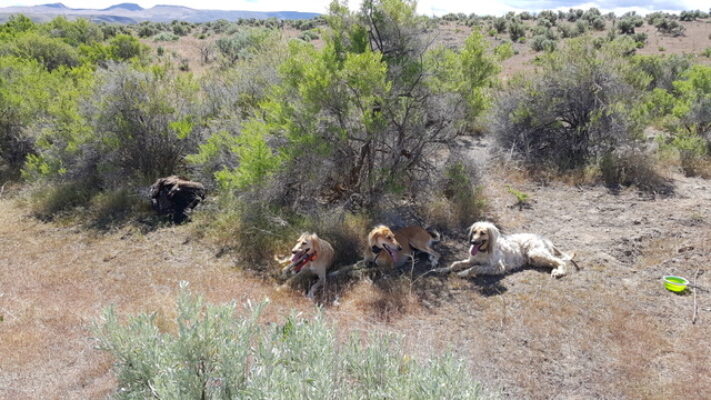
695	314
354	271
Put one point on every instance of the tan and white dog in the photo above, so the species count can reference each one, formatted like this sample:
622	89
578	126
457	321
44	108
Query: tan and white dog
491	253
397	247
311	254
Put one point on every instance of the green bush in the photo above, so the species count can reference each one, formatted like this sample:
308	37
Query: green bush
327	116
132	124
581	104
50	52
213	354
26	93
693	154
146	29
500	24
670	27
542	43
165	37
309	35
111	208
51	202
627	24
663	70
598	24
18	23
125	47
516	31
242	44
632	167
567	30
462	200
640	39
504	51
77	32
693	108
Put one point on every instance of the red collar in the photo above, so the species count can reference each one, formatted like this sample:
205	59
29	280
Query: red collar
299	265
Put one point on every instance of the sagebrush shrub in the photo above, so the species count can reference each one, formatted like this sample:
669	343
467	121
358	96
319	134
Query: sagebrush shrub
50	52
578	107
669	27
50	202
693	154
144	122
211	353
241	44
461	201
631	167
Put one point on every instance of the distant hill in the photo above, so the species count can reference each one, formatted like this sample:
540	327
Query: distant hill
133	13
55	5
125	6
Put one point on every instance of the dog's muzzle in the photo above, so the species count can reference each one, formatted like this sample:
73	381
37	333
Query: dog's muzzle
299	255
390	252
476	246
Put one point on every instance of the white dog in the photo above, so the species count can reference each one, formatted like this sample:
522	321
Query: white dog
491	253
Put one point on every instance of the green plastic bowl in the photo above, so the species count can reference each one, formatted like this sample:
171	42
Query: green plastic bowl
675	283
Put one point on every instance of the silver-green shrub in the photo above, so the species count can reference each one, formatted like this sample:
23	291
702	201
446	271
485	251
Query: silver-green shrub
215	355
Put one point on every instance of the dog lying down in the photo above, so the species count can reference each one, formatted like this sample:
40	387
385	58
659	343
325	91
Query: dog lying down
311	254
397	247
491	253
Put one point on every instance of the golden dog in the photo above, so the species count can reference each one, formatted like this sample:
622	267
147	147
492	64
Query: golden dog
311	254
397	247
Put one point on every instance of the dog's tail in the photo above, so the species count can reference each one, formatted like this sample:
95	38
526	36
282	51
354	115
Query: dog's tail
567	257
436	236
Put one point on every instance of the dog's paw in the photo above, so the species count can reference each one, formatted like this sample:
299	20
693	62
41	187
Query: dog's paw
467	273
557	274
440	271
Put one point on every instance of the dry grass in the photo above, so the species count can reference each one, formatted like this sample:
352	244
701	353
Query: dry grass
54	282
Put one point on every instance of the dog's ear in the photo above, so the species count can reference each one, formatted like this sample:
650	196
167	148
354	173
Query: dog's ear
494	234
315	243
471	232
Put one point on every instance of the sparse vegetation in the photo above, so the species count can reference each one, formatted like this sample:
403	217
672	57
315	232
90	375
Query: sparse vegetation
212	354
332	125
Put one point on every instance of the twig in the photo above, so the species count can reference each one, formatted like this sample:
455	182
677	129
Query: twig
693	289
2	189
412	271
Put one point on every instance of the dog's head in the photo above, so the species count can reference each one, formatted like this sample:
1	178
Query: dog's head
382	238
482	237
306	246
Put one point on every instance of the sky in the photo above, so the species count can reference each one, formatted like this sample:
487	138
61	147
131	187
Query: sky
428	7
